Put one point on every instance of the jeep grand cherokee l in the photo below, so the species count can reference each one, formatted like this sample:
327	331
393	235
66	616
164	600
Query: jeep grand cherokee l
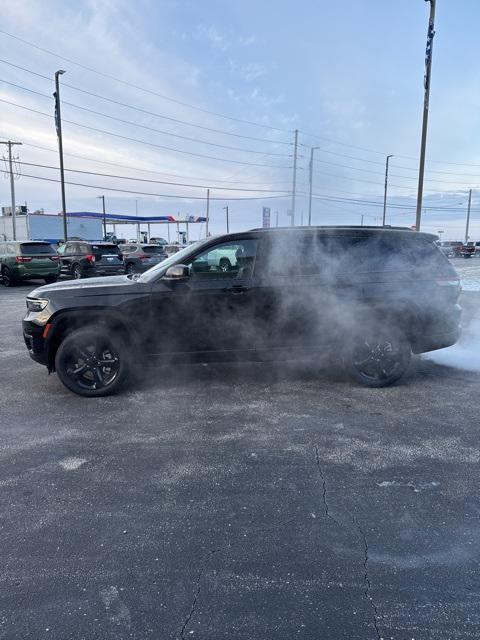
371	296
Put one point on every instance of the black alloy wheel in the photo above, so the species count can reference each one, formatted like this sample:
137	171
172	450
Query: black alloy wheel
379	361
91	362
7	279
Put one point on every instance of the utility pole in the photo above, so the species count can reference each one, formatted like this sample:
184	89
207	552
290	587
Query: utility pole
10	144
361	224
104	218
226	211
58	125
294	184
208	213
276	218
426	101
311	186
467	228
385	192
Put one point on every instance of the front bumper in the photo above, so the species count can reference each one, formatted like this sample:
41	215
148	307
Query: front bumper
34	341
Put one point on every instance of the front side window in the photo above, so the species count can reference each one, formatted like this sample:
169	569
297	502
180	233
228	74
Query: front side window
226	260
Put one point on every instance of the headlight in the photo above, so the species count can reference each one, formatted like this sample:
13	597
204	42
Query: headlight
36	304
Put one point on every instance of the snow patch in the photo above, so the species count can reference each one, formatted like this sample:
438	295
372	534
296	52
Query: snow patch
70	464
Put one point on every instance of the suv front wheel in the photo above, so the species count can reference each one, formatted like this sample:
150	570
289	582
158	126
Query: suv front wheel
91	362
379	359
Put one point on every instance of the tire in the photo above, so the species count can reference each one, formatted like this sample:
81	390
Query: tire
378	359
92	362
224	264
50	279
7	279
130	268
77	272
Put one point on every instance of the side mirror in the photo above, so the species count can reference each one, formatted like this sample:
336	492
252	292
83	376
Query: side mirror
177	272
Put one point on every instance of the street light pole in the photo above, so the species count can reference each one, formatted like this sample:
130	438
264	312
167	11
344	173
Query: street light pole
310	186
10	144
385	192
58	124
226	211
426	101
294	182
104	217
467	227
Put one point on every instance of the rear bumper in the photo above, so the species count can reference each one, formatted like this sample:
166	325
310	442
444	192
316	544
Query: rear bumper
95	272
444	333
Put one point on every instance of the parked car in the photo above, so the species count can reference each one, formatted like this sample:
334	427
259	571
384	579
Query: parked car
85	259
28	260
140	257
369	296
158	241
454	249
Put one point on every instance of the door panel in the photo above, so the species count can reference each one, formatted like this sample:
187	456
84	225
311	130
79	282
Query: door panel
213	310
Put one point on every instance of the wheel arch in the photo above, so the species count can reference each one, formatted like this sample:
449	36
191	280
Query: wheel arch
65	322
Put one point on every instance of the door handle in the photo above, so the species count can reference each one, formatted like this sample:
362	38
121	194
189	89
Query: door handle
236	290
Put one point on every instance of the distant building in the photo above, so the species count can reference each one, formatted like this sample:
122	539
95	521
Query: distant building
47	226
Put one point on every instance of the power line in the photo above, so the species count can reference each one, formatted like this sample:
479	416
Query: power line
146	111
142	126
153	195
150	144
144	89
159	173
178	184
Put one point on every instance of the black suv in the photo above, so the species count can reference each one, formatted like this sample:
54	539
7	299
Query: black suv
140	257
371	296
81	259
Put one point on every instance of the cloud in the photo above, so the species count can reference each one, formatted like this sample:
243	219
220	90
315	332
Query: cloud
211	34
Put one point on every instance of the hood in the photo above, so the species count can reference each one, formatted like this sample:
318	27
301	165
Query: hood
85	286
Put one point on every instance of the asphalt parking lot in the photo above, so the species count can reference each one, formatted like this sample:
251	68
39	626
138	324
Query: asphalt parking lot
238	502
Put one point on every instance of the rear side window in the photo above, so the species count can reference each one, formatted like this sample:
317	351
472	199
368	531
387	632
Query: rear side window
36	248
150	249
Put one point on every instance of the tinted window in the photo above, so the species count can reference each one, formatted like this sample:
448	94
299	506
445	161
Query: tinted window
84	249
150	249
36	248
105	249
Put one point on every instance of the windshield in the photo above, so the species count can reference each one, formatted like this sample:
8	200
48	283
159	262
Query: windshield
177	258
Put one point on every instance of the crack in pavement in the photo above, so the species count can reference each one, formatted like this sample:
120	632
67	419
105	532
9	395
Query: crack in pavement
207	560
198	589
368	584
366	577
324	484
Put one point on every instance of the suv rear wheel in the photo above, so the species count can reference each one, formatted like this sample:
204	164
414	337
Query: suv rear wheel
379	358
224	264
77	272
92	362
7	279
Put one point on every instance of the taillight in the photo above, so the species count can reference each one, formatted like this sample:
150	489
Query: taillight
22	259
143	257
90	257
451	281
54	258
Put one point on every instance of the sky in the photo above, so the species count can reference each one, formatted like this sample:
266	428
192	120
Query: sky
211	93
